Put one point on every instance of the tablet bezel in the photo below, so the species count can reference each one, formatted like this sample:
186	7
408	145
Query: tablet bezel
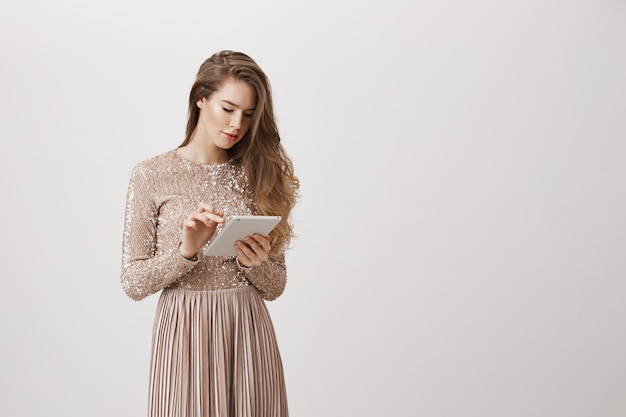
237	228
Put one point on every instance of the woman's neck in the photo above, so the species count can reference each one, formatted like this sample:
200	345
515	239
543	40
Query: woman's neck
203	152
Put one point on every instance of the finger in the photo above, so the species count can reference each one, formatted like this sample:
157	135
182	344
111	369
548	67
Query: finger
254	244
201	218
205	207
259	244
247	251
212	217
243	259
244	252
216	217
244	247
263	241
189	223
258	255
209	219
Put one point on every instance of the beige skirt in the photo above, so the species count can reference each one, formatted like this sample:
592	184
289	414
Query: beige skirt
214	353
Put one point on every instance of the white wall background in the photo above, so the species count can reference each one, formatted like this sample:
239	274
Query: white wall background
462	235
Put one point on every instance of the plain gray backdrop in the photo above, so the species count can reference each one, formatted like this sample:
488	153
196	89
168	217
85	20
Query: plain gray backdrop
461	230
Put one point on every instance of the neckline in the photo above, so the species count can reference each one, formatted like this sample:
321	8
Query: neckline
195	164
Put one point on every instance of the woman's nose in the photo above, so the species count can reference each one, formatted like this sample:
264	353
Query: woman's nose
235	121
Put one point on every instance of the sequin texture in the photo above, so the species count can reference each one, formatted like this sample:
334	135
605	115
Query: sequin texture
163	191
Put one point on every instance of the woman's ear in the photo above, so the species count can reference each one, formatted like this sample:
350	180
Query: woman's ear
200	103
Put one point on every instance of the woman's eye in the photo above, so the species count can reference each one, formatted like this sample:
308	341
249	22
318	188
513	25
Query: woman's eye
247	116
227	110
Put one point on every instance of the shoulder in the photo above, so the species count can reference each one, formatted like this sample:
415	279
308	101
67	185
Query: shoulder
155	166
164	160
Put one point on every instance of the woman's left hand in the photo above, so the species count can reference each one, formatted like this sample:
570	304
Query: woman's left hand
253	250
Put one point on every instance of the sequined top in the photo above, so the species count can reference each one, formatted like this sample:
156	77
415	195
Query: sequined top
163	191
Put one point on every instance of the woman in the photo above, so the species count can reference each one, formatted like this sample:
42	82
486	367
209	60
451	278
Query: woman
214	351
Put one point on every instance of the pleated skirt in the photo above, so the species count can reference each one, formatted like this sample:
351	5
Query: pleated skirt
214	353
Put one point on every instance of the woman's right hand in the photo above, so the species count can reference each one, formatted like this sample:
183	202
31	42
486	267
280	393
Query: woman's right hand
198	228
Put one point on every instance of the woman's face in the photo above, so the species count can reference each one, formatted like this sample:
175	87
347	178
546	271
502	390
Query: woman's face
226	115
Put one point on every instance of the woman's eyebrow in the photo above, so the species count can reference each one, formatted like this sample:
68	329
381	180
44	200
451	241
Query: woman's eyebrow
234	105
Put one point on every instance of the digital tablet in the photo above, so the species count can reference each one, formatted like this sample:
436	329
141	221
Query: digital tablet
237	228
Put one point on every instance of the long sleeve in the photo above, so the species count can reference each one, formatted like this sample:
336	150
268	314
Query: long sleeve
269	278
162	191
146	268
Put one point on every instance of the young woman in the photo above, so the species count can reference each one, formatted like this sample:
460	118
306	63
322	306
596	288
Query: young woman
214	351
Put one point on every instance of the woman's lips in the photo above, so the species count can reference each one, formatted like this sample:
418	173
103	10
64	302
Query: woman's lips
230	136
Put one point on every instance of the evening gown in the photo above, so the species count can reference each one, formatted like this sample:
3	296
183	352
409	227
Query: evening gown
214	350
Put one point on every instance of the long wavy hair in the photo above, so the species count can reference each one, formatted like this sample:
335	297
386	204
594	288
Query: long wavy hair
267	166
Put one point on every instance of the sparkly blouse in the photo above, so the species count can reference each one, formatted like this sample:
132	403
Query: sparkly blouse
163	191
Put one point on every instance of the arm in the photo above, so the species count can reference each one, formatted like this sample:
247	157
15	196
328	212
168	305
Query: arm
269	278
144	272
267	274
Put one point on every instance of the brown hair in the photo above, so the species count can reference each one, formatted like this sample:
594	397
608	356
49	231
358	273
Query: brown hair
269	169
